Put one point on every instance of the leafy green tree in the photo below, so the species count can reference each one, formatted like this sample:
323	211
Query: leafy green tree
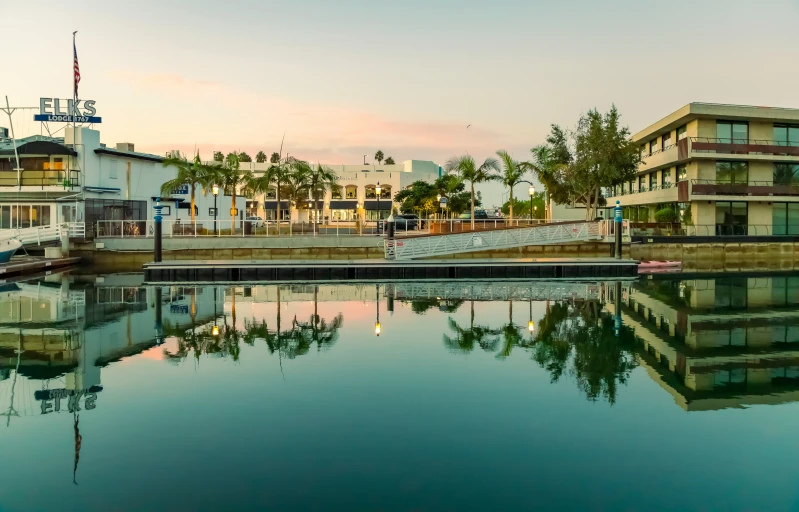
218	156
549	164
467	169
511	174
244	157
389	161
260	157
379	156
192	174
523	207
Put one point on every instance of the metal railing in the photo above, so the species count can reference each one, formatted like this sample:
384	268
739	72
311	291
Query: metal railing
653	188
660	229
744	146
41	178
456	243
521	290
40	234
259	228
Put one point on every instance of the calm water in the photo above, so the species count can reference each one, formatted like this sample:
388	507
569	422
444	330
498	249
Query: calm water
662	394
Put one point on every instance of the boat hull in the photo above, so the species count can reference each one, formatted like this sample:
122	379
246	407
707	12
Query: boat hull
8	248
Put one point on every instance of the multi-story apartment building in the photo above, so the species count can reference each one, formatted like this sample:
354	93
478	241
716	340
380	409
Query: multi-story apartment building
727	170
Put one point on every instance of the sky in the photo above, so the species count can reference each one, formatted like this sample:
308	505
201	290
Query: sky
418	79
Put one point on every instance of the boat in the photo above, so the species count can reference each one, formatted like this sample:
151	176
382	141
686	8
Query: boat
7	249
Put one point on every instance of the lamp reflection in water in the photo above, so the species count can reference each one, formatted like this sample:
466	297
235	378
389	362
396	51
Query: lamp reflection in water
378	329
530	323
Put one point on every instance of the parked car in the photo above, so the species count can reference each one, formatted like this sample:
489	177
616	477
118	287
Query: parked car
478	215
404	222
256	222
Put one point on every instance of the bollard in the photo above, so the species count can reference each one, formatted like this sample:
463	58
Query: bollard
617	220
157	231
65	241
159	328
617	304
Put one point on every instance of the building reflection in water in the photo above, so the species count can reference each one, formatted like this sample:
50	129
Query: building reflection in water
718	343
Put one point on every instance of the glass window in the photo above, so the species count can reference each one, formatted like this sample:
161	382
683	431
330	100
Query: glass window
682	132
641	184
653	146
785	218
682	172
731	218
730	132
665	141
653	180
786	174
644	151
630	186
665	178
731	292
337	192
786	135
732	173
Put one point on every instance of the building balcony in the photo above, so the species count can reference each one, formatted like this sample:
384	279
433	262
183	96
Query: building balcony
666	193
735	148
34	179
660	158
753	190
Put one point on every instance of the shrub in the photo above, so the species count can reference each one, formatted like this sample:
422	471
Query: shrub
667	216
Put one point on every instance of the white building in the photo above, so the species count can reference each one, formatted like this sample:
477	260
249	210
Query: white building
82	180
357	197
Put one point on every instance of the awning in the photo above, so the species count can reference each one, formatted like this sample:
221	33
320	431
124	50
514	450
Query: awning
371	204
101	190
343	205
272	205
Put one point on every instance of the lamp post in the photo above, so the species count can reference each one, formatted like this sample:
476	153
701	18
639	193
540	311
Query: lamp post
377	191
440	206
215	191
531	190
530	323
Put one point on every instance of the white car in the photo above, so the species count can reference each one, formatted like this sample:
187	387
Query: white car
257	222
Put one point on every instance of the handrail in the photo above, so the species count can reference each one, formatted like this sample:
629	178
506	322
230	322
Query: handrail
47	178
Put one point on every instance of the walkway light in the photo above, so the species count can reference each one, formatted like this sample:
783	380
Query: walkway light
531	326
215	330
377	328
215	189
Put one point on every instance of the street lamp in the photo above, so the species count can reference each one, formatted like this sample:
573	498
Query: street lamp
531	190
377	191
438	198
215	191
215	330
531	324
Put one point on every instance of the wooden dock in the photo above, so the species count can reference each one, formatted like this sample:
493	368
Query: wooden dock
234	271
26	265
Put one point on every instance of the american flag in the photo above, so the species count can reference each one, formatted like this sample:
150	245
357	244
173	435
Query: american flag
76	67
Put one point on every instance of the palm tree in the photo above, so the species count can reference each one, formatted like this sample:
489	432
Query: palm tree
512	174
546	168
232	179
244	157
191	174
296	184
260	157
466	338
274	158
389	161
467	170
321	180
379	156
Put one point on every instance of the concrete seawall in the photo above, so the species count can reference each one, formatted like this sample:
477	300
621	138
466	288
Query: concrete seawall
129	254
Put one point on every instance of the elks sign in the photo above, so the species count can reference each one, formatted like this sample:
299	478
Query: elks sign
52	110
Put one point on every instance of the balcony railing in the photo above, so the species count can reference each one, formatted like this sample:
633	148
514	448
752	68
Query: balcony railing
41	178
752	188
653	188
741	146
677	229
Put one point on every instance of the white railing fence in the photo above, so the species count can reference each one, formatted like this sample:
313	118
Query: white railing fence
40	234
448	244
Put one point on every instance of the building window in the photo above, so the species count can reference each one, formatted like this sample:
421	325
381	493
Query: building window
112	169
653	180
653	147
641	183
682	132
732	218
343	215
665	178
166	211
337	192
786	135
665	141
732	132
351	191
735	173
682	172
644	151
785	218
622	188
630	186
271	194
786	174
371	192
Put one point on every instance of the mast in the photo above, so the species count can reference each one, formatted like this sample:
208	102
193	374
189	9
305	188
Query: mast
14	143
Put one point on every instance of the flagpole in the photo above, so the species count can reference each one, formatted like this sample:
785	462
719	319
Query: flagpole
74	93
